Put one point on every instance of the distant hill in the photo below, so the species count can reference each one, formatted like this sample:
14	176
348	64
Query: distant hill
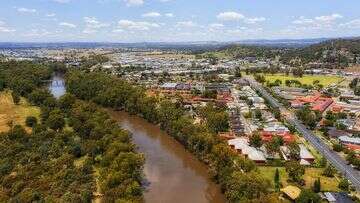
329	51
244	51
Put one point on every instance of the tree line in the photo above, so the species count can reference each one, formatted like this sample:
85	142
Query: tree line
74	152
236	175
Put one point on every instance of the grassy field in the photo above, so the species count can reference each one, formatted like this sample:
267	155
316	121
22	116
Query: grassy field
16	113
306	79
311	174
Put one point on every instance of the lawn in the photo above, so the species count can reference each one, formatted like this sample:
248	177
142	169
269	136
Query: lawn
16	113
306	79
311	174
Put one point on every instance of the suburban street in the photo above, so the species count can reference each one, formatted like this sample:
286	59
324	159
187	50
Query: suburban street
338	162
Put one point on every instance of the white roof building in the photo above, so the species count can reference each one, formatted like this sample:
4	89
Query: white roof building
350	140
169	85
242	145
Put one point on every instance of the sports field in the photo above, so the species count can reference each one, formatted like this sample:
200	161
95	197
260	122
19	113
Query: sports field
306	79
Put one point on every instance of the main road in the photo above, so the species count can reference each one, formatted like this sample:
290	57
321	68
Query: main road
338	162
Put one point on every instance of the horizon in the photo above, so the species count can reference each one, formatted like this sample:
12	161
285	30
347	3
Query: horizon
170	42
170	21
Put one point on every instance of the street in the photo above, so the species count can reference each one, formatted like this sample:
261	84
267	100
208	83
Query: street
338	162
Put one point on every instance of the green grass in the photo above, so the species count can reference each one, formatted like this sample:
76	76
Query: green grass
16	113
311	174
306	79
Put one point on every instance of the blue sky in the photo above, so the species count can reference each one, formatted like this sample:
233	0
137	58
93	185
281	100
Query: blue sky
175	20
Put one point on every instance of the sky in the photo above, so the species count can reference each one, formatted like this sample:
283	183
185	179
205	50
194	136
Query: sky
175	20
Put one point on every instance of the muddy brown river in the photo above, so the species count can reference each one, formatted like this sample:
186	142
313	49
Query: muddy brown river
173	175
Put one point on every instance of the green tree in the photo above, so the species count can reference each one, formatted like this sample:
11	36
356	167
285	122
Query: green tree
337	147
344	184
317	186
329	171
273	146
255	140
258	114
295	171
323	162
56	120
308	196
246	186
16	97
294	151
31	121
277	180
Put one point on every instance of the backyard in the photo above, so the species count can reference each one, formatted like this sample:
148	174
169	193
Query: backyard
311	174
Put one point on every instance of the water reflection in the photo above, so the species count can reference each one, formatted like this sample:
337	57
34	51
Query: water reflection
174	174
57	85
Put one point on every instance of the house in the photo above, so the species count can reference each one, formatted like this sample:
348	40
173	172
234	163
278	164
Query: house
337	197
169	86
317	102
306	158
241	145
291	191
335	133
349	140
277	130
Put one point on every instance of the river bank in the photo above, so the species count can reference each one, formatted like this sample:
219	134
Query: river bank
172	173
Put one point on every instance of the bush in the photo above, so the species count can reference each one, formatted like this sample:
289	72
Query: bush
30	121
15	97
337	147
344	184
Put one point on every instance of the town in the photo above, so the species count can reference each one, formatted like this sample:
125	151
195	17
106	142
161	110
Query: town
302	124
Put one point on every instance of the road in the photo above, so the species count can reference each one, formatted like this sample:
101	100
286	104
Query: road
338	162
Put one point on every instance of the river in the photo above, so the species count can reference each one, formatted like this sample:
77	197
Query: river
172	174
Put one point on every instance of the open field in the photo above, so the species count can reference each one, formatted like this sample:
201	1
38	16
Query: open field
311	174
306	79
17	113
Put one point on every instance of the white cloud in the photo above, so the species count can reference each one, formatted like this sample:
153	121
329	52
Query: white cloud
254	20
26	10
69	25
151	15
328	18
216	25
50	15
5	28
318	22
186	24
230	16
303	21
92	22
353	24
92	25
133	25
170	15
134	2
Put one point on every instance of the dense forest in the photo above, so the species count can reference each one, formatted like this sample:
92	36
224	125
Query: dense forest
74	153
237	176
